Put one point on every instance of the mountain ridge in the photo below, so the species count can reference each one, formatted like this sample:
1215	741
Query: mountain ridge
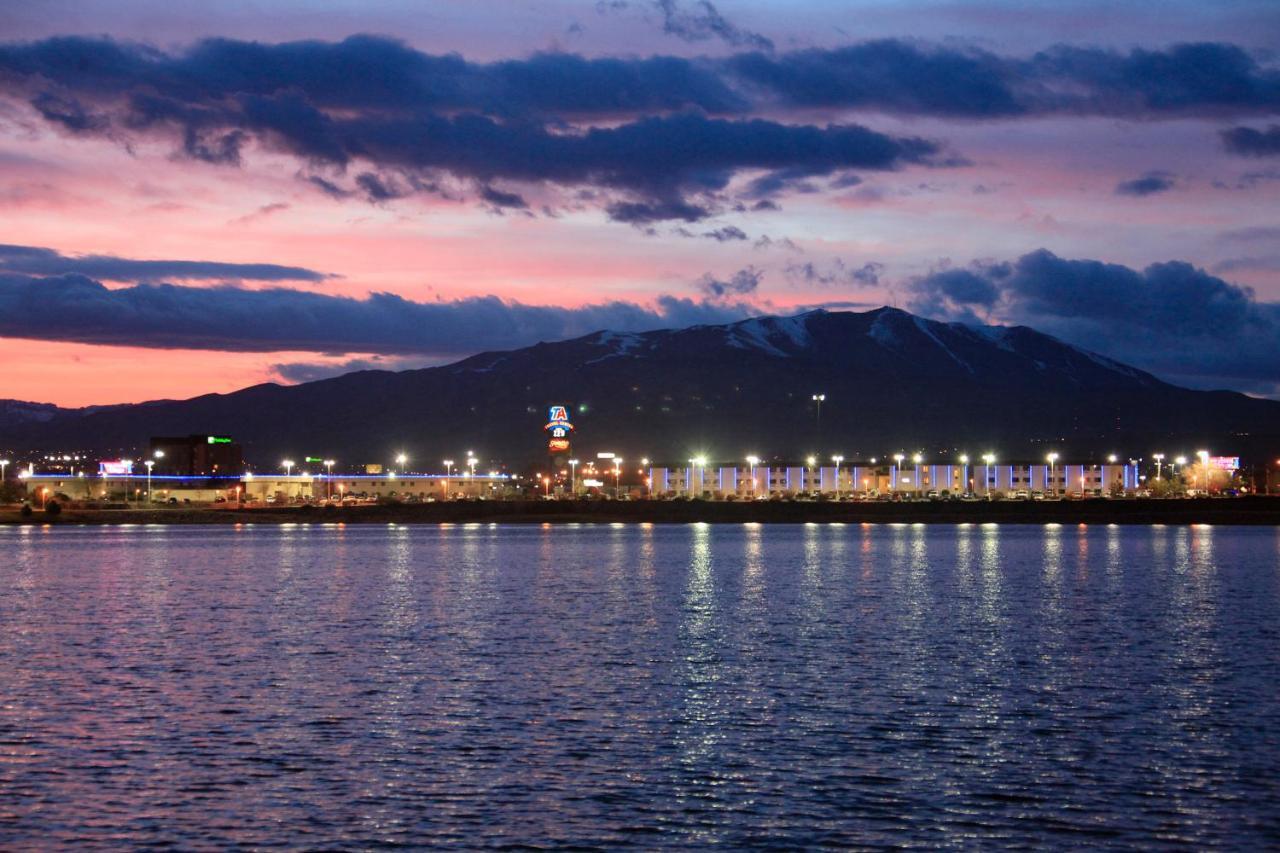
893	380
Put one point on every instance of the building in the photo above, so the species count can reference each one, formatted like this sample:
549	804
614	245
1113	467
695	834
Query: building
908	480
196	456
271	488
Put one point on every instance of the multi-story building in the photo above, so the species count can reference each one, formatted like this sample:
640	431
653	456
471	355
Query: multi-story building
744	481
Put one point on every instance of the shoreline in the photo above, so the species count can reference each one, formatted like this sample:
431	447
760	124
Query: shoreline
1245	511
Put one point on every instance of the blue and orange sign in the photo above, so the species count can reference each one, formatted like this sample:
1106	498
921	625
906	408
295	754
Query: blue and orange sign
559	427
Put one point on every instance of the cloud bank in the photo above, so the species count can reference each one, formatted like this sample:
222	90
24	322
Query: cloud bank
35	260
659	137
1172	319
79	309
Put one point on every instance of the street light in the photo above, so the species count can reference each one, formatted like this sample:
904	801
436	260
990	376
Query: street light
448	470
328	483
471	462
753	461
818	399
897	469
808	470
573	476
988	459
837	459
964	471
1204	466
699	461
4	463
546	483
400	460
1052	457
288	467
617	477
916	459
1159	457
150	464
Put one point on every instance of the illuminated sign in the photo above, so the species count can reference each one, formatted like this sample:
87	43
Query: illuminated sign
605	455
219	439
1225	463
558	427
592	484
373	469
314	459
115	468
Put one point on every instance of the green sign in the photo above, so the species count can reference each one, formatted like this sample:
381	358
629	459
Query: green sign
219	439
314	459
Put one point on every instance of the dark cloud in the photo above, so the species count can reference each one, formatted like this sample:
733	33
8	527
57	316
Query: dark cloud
1250	142
912	78
37	261
728	233
1149	184
310	371
80	309
643	213
835	273
376	102
498	198
1171	318
703	22
744	282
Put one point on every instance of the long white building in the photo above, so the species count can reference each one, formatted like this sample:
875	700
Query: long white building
746	481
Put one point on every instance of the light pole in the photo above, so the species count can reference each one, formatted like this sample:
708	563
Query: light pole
897	469
4	464
471	462
328	483
150	464
1053	458
1204	466
1159	457
573	477
700	461
808	471
546	484
818	399
988	459
837	459
916	459
288	467
964	472
617	477
753	461
400	460
448	470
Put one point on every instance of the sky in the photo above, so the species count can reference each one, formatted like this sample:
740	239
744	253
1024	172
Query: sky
197	197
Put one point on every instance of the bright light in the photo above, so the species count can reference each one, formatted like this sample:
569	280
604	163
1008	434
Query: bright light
645	462
1203	454
1181	460
811	461
1112	458
837	460
700	461
1052	458
988	458
159	454
753	461
401	459
964	458
917	459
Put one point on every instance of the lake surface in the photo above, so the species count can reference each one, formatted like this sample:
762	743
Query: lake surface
320	686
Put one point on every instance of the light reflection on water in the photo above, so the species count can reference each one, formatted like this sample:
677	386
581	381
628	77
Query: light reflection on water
328	685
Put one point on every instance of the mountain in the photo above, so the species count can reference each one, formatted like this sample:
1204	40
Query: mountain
893	381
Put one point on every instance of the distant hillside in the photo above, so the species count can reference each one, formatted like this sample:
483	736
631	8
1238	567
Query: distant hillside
892	381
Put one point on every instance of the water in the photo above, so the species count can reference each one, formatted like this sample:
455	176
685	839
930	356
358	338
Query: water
656	686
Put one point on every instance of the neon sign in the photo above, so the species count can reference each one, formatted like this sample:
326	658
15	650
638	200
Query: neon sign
558	427
1224	463
219	439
